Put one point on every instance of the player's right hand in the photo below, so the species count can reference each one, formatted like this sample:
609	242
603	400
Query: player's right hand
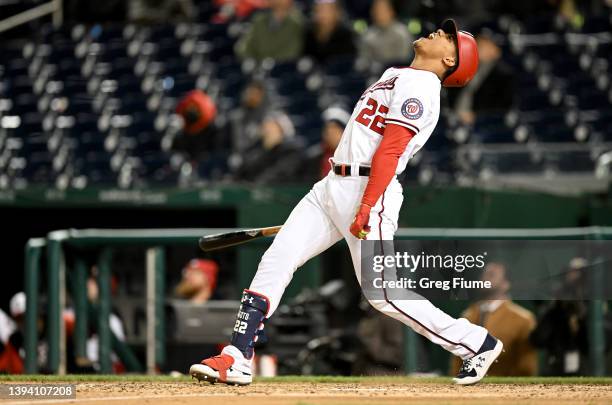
360	228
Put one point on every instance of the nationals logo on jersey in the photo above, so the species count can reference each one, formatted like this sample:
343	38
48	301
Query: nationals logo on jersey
412	109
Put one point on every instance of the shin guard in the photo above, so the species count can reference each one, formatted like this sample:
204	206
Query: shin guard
249	321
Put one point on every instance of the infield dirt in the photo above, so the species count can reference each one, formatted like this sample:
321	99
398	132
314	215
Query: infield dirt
315	393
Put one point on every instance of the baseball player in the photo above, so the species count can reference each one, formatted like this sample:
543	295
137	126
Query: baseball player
391	121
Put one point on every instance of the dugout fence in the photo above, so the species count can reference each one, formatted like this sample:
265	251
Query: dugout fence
154	242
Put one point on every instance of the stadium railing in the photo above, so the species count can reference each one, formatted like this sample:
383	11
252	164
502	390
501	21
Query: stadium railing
155	241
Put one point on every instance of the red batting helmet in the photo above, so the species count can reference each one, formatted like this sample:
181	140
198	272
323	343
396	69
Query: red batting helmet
467	56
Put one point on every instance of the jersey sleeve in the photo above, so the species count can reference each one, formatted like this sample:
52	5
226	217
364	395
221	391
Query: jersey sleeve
410	106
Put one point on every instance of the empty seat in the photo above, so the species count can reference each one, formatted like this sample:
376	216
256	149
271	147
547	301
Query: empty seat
515	162
213	32
533	99
34	143
339	66
96	167
39	168
596	23
549	132
574	162
89	142
283	69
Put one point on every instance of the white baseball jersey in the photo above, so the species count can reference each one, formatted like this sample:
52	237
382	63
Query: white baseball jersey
402	96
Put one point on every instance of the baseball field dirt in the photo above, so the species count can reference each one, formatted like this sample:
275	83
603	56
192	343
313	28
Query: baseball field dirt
131	390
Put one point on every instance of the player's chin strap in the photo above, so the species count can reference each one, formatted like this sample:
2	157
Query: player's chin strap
250	320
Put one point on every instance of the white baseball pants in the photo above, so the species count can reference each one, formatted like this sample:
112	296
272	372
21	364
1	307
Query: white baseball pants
321	219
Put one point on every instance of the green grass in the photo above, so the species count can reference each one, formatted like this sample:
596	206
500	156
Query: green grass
311	379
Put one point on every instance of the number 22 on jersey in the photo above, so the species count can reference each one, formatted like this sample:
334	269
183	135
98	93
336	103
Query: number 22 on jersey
373	116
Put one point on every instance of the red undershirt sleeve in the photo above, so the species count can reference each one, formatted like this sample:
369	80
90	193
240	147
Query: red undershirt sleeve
384	161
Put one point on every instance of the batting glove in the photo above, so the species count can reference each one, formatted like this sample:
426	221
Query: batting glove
359	227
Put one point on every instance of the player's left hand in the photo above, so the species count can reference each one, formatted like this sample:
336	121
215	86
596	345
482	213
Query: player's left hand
360	227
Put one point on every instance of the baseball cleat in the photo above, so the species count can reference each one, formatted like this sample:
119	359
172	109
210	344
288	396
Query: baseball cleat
230	367
475	368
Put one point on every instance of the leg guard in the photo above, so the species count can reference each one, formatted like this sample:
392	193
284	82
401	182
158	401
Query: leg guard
249	321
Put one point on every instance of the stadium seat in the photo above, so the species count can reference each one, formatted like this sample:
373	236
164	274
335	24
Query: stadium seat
575	162
114	80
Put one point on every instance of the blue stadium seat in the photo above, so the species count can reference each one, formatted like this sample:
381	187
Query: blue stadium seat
89	142
540	24
69	67
512	162
223	50
576	161
284	70
161	33
596	24
182	84
532	99
19	85
96	167
39	168
553	132
114	88
113	51
24	103
34	143
590	98
339	66
107	33
212	32
438	141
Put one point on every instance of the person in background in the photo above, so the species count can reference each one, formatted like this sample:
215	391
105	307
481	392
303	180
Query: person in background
275	33
199	281
327	37
382	340
492	89
246	119
11	336
562	329
316	161
202	142
115	323
198	112
508	321
387	40
277	155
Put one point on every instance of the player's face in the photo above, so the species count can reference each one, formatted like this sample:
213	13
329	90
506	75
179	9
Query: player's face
438	45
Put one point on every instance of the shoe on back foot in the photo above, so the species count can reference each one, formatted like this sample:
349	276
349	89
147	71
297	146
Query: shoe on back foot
475	368
229	367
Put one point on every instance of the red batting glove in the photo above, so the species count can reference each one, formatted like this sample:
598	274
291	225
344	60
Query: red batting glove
360	227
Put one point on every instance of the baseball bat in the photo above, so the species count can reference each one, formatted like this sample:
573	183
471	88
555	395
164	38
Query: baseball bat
223	240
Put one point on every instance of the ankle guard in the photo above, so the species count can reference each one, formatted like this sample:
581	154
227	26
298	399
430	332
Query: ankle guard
250	322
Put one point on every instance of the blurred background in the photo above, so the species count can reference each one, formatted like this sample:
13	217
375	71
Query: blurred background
187	114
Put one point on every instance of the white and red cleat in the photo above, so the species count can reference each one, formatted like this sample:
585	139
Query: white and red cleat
229	367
